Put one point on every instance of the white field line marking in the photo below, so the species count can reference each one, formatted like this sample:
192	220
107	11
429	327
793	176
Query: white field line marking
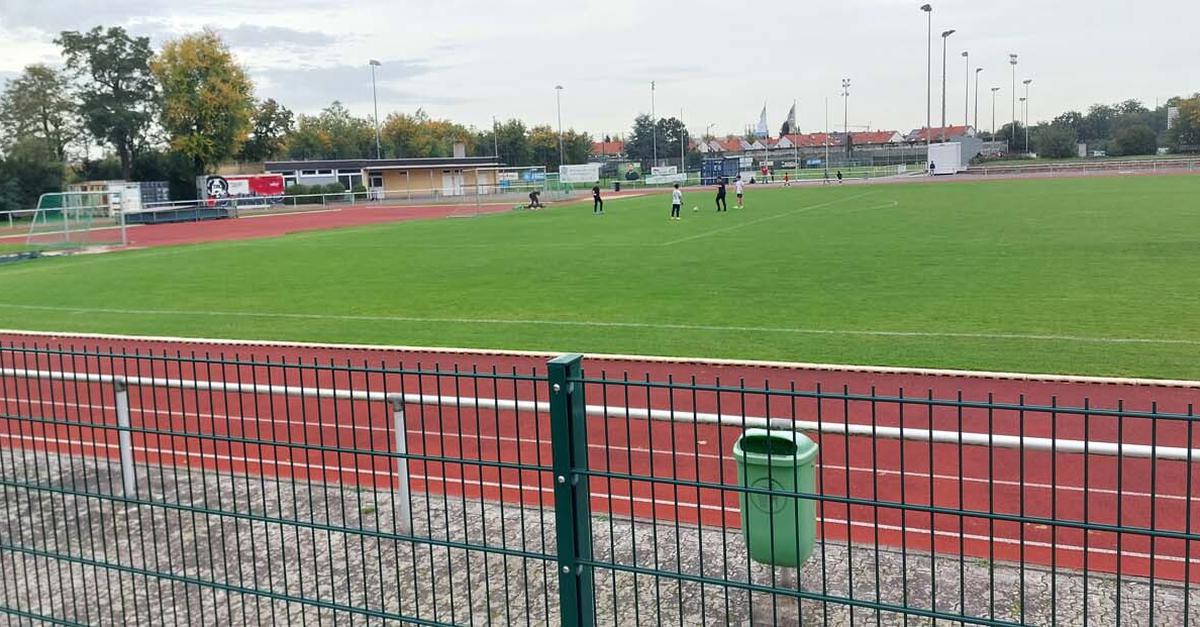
959	438
891	204
654	359
618	453
764	219
288	213
606	324
678	505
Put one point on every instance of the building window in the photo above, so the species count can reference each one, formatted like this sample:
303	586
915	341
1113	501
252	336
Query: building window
376	180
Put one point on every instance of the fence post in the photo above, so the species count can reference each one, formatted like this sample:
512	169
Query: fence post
572	510
403	500
125	438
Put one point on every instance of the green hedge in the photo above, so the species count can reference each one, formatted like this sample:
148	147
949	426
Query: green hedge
315	194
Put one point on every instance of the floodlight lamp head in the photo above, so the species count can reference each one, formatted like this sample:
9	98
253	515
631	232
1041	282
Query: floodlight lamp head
966	54
926	8
947	33
374	63
1012	58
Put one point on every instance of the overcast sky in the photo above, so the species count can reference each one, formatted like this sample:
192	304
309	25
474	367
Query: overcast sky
719	61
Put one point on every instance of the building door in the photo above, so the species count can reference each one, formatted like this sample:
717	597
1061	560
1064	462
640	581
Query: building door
452	182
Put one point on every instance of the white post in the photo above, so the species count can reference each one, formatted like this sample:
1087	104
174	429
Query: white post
125	438
403	497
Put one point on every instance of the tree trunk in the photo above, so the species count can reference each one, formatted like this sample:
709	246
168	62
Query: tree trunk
126	162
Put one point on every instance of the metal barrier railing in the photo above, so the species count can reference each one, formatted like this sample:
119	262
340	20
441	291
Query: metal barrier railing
156	487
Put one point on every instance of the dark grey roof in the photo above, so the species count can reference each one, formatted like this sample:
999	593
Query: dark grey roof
366	164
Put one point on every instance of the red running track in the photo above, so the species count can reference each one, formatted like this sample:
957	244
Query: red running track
654	458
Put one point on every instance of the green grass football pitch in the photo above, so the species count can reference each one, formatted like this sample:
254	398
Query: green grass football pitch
1090	276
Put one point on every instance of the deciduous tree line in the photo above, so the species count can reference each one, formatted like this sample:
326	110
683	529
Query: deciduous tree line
183	110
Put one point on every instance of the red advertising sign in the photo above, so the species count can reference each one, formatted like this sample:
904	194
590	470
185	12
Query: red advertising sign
243	186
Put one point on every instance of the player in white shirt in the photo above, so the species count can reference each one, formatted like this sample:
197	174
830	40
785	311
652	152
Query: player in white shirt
739	187
676	202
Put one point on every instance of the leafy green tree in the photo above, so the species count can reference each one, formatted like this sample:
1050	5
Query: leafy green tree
577	146
29	169
514	143
333	134
38	105
172	166
543	147
206	98
1184	135
1073	120
671	132
639	146
1014	134
271	124
1056	141
117	90
1135	140
509	139
1098	123
419	135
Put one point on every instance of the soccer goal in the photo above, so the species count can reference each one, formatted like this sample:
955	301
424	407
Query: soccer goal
70	221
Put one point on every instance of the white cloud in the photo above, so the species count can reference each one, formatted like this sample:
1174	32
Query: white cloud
469	60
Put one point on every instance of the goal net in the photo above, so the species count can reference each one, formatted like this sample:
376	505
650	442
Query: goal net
72	221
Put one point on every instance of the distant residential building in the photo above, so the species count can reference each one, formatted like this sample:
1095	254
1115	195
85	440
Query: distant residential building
613	149
951	133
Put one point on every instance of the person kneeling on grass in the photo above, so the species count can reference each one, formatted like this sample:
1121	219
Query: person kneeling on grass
535	200
676	202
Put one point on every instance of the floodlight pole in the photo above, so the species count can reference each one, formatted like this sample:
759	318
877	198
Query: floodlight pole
845	106
654	125
682	146
826	135
977	71
1012	60
967	89
375	97
928	9
994	90
945	36
561	157
1027	82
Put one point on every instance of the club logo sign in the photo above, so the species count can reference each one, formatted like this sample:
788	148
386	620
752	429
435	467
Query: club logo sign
217	187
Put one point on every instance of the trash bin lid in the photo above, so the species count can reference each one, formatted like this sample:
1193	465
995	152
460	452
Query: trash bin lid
774	448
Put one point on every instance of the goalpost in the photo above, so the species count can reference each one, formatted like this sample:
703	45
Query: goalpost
67	221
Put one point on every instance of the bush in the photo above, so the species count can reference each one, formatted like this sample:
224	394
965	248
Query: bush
306	194
334	188
1138	139
359	191
1056	142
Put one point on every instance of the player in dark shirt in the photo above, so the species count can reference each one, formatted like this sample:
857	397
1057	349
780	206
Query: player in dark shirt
535	200
597	201
721	206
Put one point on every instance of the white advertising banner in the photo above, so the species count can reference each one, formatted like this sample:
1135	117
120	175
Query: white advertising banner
662	179
666	170
584	173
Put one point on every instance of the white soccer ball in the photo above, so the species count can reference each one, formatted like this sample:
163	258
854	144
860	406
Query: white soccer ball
695	208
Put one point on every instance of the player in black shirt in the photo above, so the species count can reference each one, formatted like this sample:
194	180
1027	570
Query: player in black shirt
721	206
597	201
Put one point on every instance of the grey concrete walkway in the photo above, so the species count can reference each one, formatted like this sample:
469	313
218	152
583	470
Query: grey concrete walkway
320	555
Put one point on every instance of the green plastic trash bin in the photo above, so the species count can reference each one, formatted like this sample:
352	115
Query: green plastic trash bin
779	530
